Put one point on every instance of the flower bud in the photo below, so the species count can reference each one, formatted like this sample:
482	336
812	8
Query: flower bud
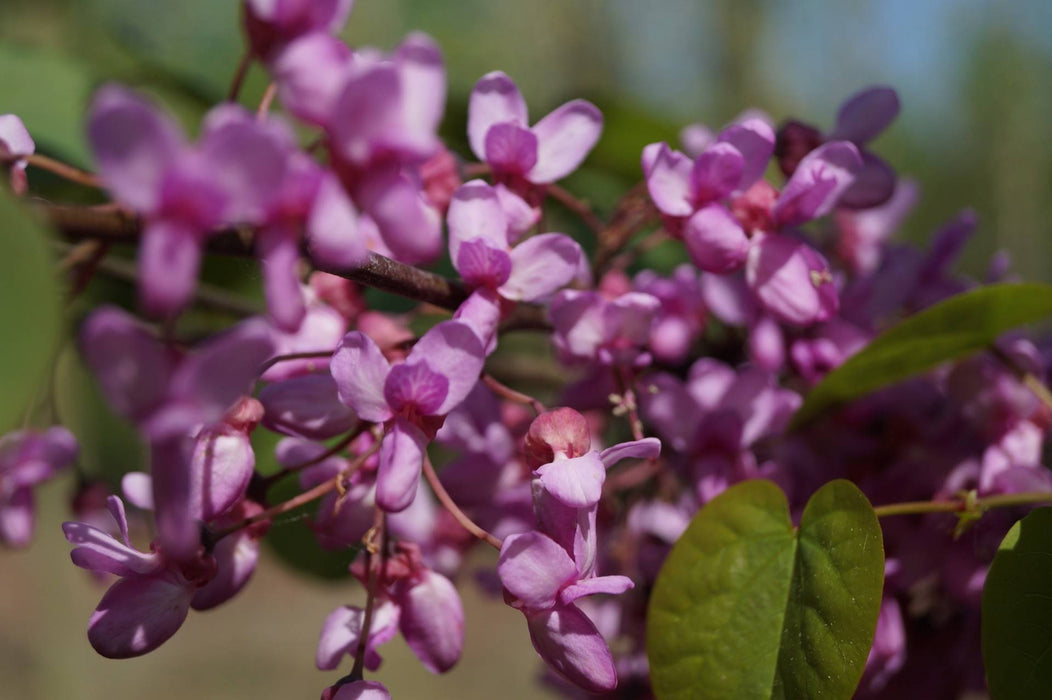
562	432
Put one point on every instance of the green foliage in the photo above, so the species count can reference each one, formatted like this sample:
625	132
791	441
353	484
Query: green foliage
29	313
950	330
747	606
1017	611
49	92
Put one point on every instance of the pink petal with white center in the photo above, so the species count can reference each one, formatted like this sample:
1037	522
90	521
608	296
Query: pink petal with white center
715	240
511	148
453	349
534	568
132	367
279	253
571	645
475	211
137	615
134	144
754	139
647	448
360	370
716	172
576	482
816	185
565	137
609	585
432	620
310	73
865	114
668	176
541	265
333	234
494	99
401	459
169	260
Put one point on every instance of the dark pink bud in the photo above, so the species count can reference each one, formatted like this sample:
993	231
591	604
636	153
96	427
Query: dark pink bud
794	141
339	293
245	414
441	179
562	432
753	207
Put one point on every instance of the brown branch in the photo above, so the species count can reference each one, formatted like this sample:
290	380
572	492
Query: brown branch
450	505
114	225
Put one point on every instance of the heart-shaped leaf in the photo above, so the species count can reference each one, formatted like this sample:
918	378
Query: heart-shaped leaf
949	330
1017	612
747	606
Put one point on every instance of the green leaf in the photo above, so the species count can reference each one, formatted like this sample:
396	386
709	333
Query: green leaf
49	93
747	606
1017	611
29	312
949	330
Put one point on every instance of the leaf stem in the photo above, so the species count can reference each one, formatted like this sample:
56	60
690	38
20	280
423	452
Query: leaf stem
964	506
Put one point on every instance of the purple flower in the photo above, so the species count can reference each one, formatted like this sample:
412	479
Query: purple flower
689	194
682	317
28	458
436	376
543	582
357	690
15	142
419	603
862	117
481	252
590	327
271	24
500	134
168	396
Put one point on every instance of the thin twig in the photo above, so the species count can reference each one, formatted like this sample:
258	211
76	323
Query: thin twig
239	76
581	208
506	392
454	510
306	355
340	446
373	573
65	171
268	99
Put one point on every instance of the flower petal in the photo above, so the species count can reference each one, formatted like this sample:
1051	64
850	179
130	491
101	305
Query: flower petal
668	176
307	406
494	99
647	448
791	279
134	144
475	212
610	585
360	371
236	557
401	459
820	178
169	259
432	621
333	227
564	139
754	139
576	482
534	568
541	265
511	148
280	257
137	615
453	349
571	645
716	172
866	113
715	240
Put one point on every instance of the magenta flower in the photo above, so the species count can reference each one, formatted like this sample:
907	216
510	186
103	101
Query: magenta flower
168	397
689	193
28	458
862	117
408	397
422	605
270	24
681	319
16	143
500	134
591	327
357	690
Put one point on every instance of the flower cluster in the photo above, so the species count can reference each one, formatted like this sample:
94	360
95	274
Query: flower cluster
399	429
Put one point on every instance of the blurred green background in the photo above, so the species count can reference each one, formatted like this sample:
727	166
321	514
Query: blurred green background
975	77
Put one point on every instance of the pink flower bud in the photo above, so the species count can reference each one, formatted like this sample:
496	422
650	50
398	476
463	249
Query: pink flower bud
562	432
